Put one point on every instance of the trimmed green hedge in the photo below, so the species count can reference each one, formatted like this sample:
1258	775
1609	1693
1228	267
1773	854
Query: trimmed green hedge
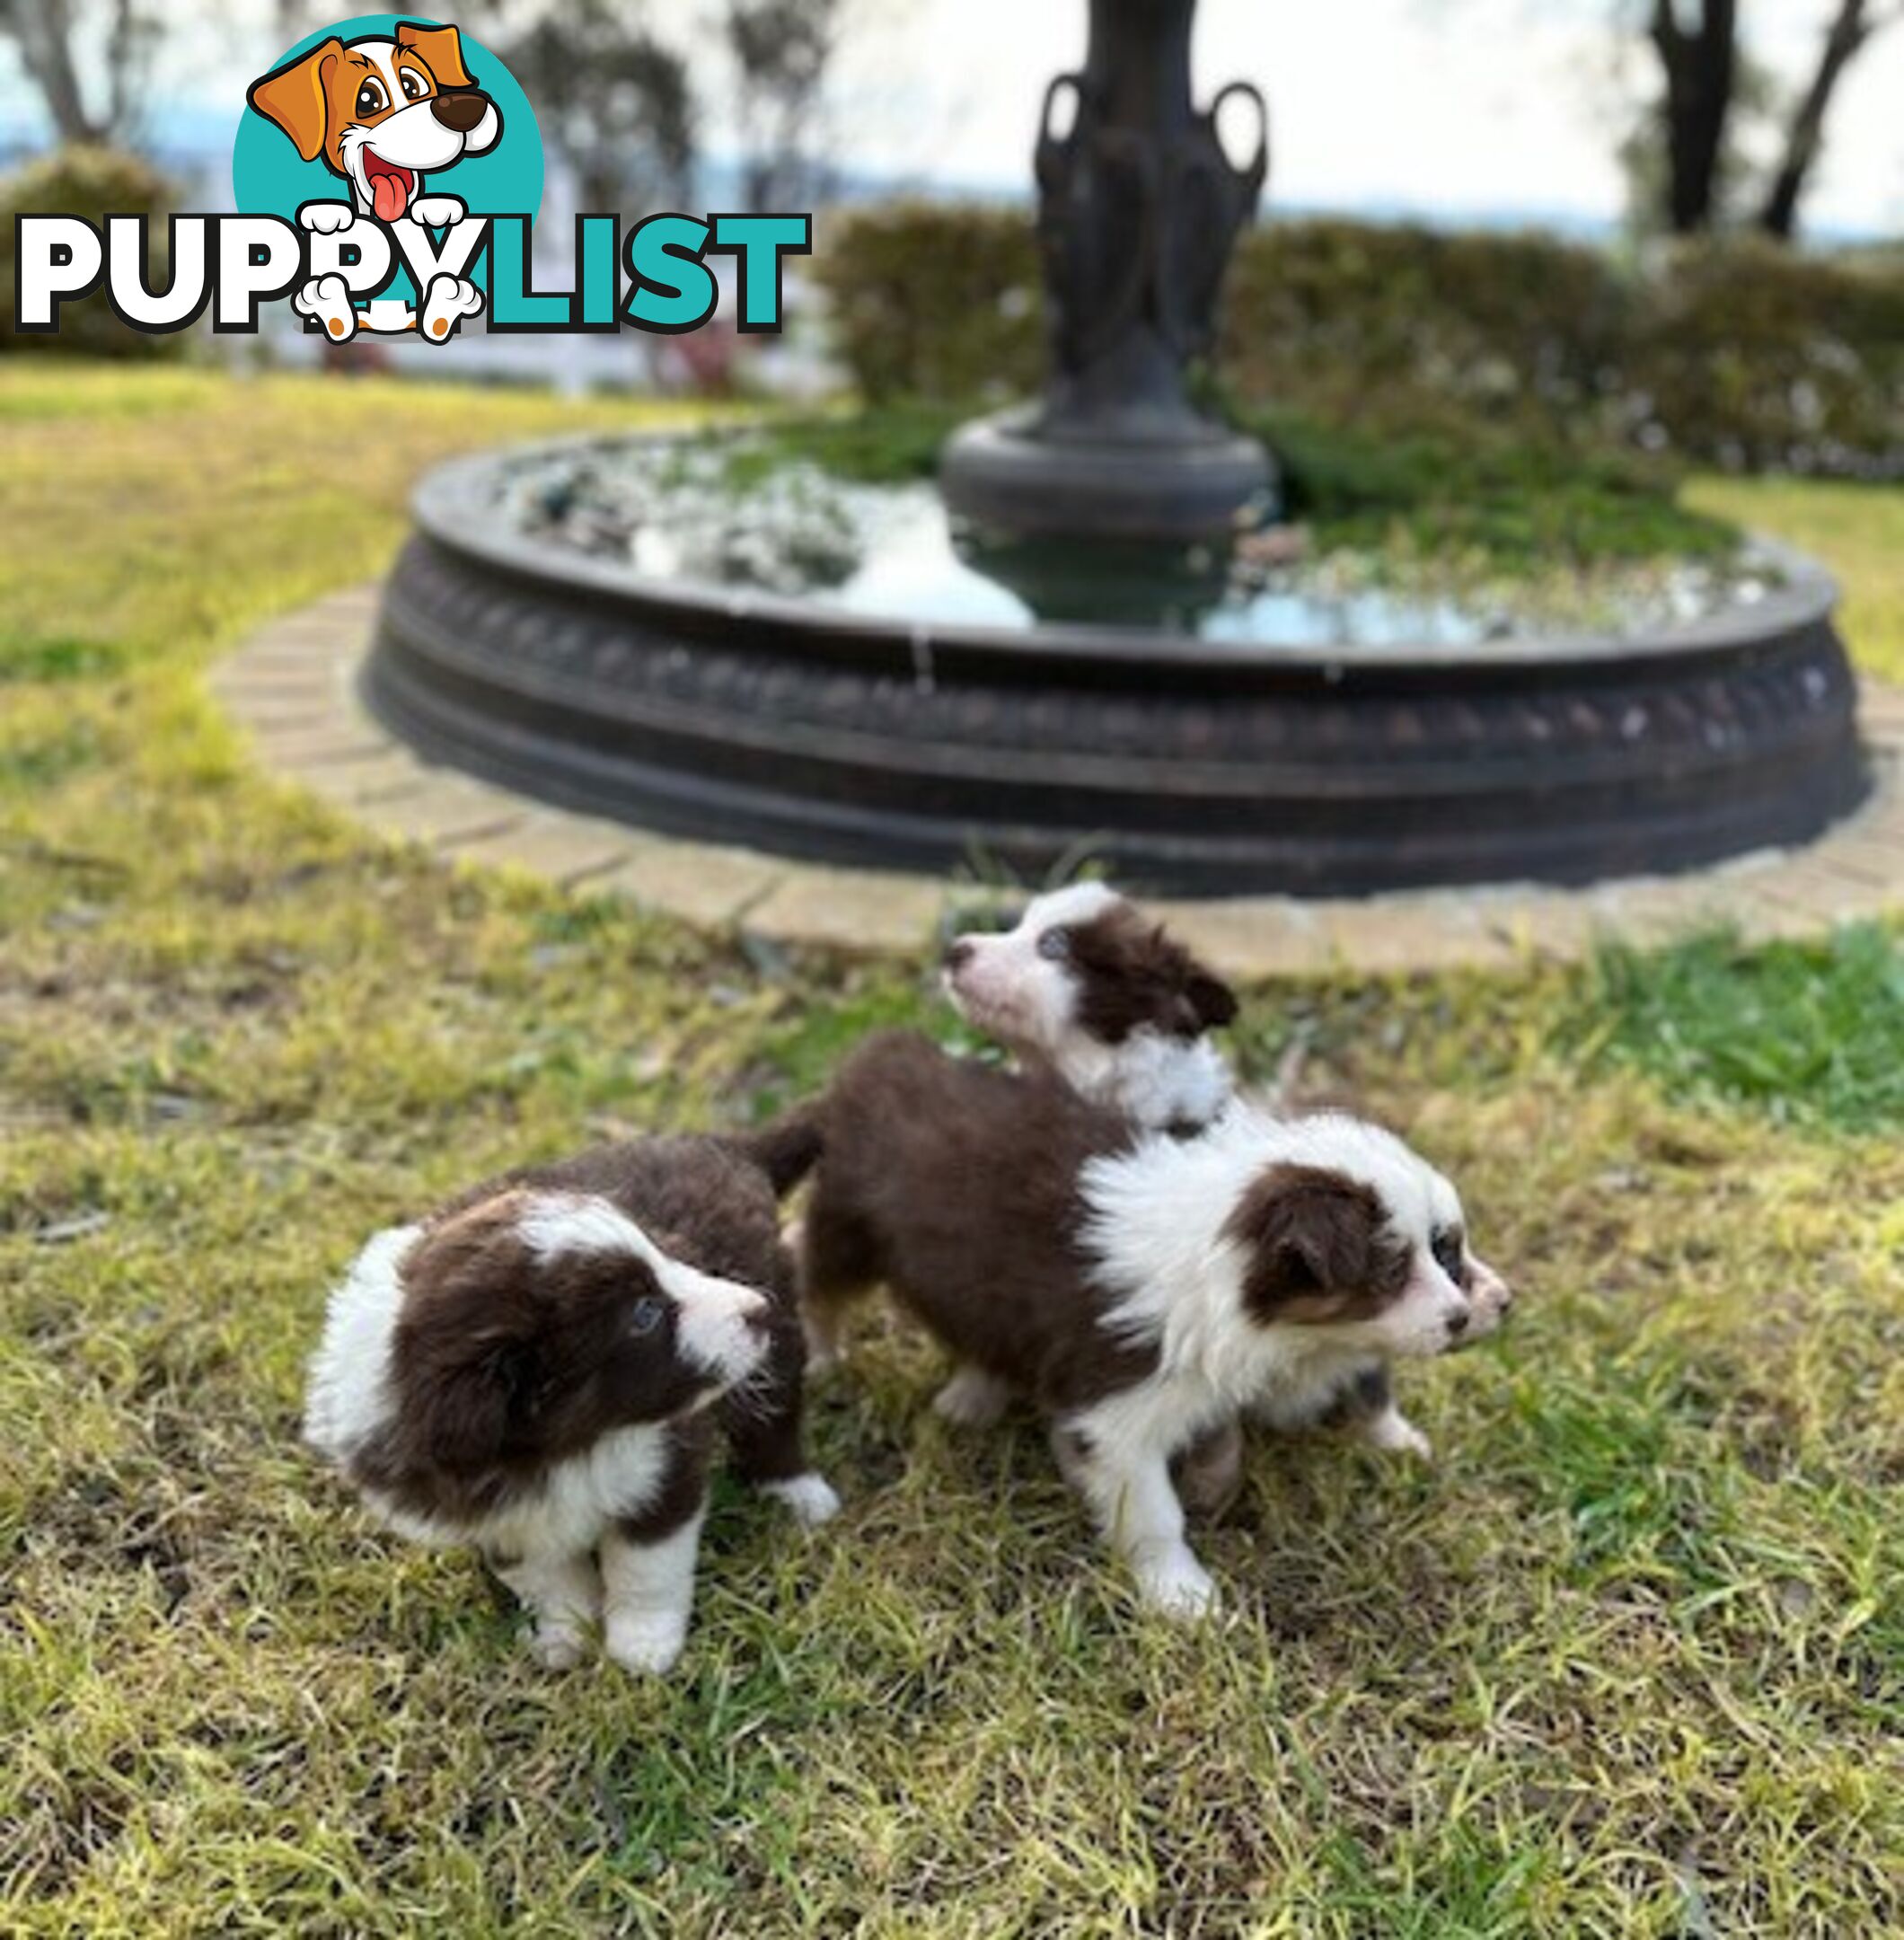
934	301
95	183
1758	359
1747	357
1348	323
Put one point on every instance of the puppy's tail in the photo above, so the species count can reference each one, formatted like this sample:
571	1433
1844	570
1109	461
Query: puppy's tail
788	1149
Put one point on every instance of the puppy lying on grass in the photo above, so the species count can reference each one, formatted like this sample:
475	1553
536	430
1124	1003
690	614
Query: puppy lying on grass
1085	987
1140	1290
538	1368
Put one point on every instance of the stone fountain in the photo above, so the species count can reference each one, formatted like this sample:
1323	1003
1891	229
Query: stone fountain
1139	208
1069	703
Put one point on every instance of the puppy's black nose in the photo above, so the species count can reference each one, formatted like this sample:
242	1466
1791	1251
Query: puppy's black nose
1458	1322
461	111
958	953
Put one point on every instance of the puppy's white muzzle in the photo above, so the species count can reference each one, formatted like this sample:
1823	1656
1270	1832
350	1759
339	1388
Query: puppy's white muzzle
1432	1316
720	1324
1489	1296
990	990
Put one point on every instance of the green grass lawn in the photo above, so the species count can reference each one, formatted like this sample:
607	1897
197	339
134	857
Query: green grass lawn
1630	1661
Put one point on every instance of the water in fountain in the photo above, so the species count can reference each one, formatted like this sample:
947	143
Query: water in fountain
727	514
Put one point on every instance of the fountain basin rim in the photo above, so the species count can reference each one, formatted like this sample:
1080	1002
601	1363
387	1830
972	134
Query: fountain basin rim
451	507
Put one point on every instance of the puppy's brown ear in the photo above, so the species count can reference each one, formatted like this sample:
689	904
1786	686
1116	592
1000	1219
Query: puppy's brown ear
1211	999
1314	1246
442	51
294	97
466	1355
478	1407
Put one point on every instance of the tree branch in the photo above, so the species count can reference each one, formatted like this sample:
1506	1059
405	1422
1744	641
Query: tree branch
1851	31
42	29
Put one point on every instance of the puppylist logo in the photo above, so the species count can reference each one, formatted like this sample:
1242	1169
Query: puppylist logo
388	172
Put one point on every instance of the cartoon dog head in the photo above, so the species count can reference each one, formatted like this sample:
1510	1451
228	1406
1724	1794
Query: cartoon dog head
380	113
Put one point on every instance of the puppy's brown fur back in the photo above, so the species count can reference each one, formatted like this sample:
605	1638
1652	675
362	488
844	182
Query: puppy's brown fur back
956	1184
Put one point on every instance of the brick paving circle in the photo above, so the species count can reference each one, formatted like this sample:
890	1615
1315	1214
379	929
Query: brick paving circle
293	687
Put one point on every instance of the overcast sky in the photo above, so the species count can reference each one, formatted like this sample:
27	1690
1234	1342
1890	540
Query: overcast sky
1442	106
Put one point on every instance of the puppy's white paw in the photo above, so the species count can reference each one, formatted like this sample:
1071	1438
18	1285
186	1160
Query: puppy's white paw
646	1644
327	299
972	1398
438	211
811	1498
325	218
557	1648
1176	1585
1391	1430
447	299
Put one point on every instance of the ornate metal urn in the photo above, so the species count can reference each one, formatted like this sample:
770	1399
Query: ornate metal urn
1139	208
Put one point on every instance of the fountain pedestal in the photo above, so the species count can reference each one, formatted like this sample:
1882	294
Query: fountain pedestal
1139	208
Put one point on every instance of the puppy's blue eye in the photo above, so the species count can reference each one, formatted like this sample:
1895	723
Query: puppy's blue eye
1055	946
645	1316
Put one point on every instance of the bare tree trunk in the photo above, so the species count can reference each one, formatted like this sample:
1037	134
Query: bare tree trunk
1701	64
783	49
43	31
126	47
1847	38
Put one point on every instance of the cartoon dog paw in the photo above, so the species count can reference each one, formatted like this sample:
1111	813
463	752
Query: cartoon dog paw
447	298
328	300
438	211
325	218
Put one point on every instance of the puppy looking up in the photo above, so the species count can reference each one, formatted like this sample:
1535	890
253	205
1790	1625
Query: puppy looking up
1140	1290
533	1370
1087	985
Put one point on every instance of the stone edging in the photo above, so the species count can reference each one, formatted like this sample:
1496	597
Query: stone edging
292	685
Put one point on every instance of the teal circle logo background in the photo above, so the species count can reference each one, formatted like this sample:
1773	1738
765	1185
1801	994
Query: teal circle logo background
269	178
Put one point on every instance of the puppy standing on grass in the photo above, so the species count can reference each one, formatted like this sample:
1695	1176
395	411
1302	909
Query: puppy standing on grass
1140	1290
1086	986
535	1370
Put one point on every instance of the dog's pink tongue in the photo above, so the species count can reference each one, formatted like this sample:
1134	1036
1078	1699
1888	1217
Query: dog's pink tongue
389	197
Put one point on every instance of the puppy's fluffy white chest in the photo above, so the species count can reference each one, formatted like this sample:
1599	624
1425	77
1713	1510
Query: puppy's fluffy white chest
566	1511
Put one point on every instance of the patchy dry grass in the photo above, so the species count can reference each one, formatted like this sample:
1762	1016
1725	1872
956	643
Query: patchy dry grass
1630	1662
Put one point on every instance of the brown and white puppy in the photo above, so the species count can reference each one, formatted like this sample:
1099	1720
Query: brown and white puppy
383	112
1087	984
1140	1290
535	1370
